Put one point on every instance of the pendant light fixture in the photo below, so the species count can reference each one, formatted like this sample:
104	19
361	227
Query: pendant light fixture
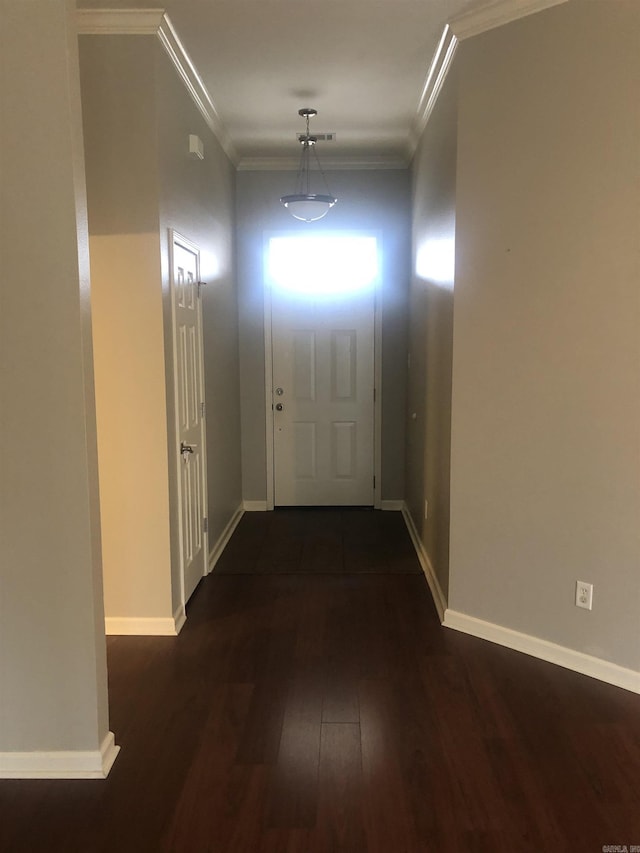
304	204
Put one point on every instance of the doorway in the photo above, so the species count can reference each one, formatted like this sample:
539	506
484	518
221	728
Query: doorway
320	334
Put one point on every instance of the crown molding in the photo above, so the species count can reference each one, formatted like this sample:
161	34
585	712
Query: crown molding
291	164
471	23
496	14
156	22
437	74
113	22
268	164
195	86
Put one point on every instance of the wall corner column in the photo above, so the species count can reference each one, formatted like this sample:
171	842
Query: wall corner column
53	678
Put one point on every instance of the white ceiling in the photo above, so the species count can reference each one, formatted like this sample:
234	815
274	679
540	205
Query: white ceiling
361	63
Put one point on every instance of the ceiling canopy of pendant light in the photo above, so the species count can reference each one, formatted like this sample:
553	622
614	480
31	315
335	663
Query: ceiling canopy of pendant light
304	204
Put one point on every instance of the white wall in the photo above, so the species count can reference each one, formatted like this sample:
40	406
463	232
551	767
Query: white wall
53	687
367	200
545	481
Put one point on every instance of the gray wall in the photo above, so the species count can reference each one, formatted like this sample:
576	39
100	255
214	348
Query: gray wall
53	687
138	117
197	199
119	118
431	331
373	200
545	480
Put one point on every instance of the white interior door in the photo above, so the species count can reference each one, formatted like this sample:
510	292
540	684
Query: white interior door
323	399
189	402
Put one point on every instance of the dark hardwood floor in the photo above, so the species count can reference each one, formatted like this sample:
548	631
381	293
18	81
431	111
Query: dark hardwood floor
320	541
310	713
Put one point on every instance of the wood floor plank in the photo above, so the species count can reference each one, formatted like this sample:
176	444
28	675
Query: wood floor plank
342	650
211	795
286	841
526	815
311	608
387	813
340	819
293	790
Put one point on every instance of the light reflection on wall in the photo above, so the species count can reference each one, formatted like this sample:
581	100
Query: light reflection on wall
322	265
211	266
436	262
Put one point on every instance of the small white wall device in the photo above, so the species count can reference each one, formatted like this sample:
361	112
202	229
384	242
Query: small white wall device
196	147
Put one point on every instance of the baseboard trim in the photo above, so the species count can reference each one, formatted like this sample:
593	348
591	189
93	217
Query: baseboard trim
109	752
144	626
92	764
224	537
594	667
391	506
434	585
254	506
179	618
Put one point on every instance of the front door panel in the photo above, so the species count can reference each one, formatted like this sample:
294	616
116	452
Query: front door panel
323	378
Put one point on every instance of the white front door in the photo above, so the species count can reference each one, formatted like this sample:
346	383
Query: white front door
190	451
323	399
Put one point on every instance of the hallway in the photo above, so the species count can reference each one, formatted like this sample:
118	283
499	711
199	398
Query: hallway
327	710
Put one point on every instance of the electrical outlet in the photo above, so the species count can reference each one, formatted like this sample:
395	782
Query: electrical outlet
584	595
426	510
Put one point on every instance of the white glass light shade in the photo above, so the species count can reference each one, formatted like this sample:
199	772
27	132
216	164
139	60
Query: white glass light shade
308	207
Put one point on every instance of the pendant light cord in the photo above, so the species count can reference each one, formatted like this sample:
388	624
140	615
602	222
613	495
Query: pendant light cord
303	180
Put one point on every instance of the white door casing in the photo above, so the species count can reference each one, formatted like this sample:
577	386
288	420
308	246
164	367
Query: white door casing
190	451
323	372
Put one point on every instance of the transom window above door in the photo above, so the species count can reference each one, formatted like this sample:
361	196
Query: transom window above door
322	265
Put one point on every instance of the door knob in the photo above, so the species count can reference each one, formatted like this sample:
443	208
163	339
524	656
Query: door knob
279	407
279	392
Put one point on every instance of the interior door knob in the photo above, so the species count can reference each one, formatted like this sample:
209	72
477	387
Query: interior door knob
279	407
